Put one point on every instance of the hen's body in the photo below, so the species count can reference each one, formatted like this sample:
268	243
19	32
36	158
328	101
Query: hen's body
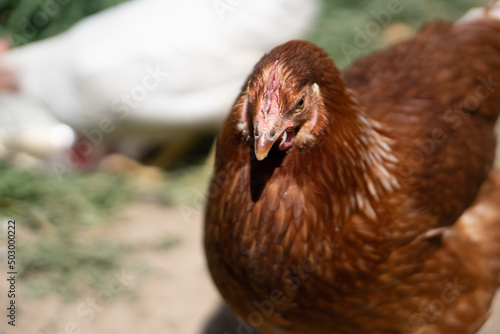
362	229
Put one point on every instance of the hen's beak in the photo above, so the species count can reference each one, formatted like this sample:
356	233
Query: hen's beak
263	144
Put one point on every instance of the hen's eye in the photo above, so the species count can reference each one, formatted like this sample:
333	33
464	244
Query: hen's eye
300	105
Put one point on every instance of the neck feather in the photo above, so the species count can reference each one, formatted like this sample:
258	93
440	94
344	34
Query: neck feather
352	160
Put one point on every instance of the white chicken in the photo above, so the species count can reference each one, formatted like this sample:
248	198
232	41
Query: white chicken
151	70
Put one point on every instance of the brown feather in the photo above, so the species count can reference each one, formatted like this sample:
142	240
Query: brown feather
371	222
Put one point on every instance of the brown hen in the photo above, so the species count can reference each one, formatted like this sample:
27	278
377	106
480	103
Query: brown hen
363	202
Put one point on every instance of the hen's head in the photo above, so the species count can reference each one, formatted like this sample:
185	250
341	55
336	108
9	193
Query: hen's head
281	105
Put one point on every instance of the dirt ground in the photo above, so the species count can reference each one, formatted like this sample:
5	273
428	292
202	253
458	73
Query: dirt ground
173	295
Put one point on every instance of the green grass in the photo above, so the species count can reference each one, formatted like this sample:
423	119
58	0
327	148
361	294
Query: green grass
25	21
338	20
81	199
66	265
167	242
51	217
58	249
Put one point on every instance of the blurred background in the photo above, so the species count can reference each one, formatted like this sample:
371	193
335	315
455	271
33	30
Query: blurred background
108	115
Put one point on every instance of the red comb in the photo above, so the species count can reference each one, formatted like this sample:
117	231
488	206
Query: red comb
271	92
